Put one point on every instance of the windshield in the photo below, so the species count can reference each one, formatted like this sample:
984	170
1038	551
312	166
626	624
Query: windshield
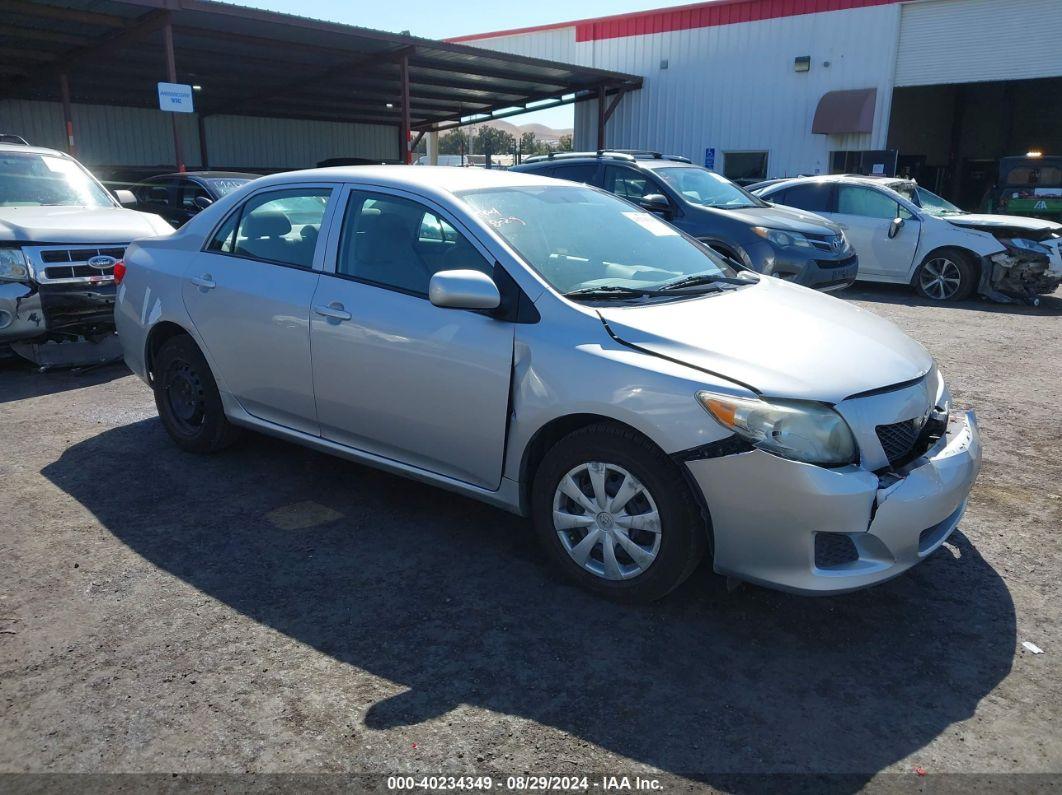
33	180
707	188
579	238
223	186
927	200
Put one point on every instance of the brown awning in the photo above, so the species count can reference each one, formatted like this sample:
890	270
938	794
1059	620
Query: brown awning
842	112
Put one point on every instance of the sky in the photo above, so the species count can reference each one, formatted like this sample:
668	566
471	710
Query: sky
428	19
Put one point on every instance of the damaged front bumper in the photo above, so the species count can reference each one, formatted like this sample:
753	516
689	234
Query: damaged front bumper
30	312
1022	274
21	313
808	529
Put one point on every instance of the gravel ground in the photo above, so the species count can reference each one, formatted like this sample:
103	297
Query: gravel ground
273	610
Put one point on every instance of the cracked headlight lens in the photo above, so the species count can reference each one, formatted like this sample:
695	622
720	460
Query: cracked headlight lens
795	429
13	265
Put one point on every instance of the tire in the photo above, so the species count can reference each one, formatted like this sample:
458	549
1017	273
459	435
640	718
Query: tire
615	456
946	275
187	398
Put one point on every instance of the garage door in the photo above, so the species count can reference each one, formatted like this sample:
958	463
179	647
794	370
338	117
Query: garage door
970	41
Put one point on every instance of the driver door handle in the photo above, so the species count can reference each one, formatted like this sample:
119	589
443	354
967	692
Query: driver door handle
334	310
205	281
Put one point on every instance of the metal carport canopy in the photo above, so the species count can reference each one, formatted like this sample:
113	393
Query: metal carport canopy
261	63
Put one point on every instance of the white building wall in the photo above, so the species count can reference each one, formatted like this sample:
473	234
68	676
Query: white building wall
732	87
969	41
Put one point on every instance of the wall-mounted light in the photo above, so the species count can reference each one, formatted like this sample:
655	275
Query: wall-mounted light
1034	153
802	63
390	104
197	88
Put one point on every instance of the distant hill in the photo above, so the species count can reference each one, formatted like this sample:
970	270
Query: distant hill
541	131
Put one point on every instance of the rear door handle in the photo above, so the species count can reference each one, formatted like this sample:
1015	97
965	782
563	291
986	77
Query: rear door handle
334	310
205	281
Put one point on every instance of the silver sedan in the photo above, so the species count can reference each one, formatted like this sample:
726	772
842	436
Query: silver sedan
553	350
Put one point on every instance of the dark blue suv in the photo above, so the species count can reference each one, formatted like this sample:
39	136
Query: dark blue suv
779	241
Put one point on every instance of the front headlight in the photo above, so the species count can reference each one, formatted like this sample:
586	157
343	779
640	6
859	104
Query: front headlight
796	429
782	238
13	265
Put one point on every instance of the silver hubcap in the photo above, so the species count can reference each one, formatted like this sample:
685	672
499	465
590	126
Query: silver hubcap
940	278
606	520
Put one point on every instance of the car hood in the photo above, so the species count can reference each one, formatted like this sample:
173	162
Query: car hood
77	224
779	339
785	218
1003	222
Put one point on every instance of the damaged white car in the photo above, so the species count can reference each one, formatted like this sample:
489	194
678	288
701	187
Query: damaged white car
905	234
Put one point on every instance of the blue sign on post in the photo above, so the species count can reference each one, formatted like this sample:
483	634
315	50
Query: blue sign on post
175	97
709	157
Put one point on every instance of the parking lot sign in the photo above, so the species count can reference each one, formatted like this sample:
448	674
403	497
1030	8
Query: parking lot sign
175	97
709	157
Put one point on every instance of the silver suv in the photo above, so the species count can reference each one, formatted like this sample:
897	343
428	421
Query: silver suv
61	233
555	351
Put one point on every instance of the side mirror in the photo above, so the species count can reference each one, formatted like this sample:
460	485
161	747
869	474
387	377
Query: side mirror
895	227
463	289
202	202
655	203
125	197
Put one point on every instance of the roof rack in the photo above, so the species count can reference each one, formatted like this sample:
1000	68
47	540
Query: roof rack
605	153
8	138
649	154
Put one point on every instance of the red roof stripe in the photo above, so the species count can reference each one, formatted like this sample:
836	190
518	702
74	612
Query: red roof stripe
700	15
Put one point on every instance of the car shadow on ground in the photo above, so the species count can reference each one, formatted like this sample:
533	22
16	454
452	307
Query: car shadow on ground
903	295
454	600
22	379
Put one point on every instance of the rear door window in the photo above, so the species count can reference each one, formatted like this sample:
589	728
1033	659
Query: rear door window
576	172
813	197
280	226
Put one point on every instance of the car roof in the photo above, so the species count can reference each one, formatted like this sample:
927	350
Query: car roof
437	180
855	179
208	175
35	150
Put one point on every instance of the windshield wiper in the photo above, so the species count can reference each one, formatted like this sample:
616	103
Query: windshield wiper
705	279
609	291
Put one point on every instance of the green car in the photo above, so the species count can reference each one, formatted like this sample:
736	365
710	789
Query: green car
1028	185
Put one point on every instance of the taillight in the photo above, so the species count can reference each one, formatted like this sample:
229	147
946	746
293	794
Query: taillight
119	271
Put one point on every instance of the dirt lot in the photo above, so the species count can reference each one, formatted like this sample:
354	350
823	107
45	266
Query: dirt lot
275	610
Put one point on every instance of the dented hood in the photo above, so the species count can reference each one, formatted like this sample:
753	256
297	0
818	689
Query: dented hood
989	222
779	339
78	225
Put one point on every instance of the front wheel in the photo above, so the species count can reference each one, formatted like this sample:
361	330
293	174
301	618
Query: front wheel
615	514
946	276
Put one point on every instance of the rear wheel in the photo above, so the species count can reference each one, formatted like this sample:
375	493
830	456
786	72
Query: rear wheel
614	513
946	276
187	398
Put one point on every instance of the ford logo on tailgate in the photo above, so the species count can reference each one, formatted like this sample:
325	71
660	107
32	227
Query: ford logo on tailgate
101	262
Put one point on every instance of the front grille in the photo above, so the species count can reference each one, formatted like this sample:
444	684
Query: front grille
898	439
825	242
61	264
833	550
836	263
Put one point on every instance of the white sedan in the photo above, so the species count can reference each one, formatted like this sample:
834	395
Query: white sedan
905	234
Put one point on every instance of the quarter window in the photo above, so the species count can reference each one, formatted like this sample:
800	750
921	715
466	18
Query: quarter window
400	244
867	202
278	226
